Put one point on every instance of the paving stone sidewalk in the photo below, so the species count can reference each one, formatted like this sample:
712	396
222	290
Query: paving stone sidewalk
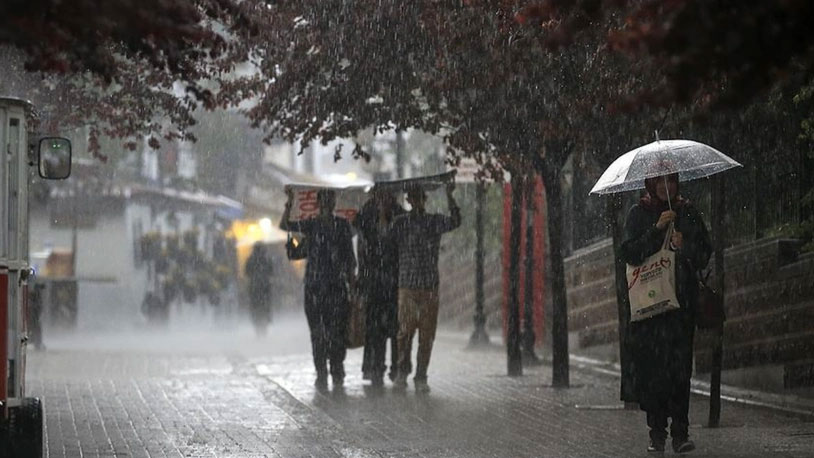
228	394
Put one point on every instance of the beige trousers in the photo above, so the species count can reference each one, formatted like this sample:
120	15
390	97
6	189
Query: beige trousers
418	311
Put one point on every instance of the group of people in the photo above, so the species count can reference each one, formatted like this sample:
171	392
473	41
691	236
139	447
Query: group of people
397	280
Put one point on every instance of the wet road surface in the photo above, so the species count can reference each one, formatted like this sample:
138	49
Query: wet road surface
206	391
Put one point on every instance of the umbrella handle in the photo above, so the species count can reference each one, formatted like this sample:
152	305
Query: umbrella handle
667	189
669	201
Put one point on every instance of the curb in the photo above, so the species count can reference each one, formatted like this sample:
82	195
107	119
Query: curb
788	404
792	405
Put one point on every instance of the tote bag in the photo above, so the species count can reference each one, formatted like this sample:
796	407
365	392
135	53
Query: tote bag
652	285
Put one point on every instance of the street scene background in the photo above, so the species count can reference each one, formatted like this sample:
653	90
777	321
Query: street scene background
188	120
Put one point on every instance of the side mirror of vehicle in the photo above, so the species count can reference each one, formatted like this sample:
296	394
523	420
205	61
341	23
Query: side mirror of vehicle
54	158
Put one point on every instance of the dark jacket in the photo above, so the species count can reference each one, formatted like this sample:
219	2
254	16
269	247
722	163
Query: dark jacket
330	250
378	255
662	345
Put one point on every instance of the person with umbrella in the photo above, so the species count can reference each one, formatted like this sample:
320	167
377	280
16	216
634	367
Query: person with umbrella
662	344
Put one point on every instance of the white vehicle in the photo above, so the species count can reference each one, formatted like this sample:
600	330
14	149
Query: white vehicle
21	417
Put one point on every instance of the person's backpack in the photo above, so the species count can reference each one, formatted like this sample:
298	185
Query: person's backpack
296	251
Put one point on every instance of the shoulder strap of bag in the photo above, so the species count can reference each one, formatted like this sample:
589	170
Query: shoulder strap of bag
703	279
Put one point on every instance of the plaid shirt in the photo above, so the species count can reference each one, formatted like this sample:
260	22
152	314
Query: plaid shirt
418	236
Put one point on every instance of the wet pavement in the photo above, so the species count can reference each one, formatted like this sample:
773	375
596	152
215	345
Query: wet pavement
208	392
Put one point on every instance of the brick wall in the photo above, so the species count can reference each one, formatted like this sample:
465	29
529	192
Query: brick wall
769	305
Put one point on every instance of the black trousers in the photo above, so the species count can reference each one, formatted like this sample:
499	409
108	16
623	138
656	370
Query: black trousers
326	308
381	324
676	408
375	355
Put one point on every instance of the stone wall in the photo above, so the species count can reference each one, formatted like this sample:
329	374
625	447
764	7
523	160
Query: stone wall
770	309
589	278
769	305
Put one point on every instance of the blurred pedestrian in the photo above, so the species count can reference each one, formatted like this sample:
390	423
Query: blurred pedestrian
259	268
662	345
378	281
418	235
328	274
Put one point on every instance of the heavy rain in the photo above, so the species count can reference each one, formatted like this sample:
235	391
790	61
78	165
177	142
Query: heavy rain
390	228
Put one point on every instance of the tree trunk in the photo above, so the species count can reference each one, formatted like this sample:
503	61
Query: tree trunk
528	337
515	363
559	317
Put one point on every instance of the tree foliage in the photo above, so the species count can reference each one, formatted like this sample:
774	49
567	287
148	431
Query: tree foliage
125	68
718	53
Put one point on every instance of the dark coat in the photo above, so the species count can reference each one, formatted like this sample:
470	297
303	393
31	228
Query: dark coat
662	346
330	250
378	270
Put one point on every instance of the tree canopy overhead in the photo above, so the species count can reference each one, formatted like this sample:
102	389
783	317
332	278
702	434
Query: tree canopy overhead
95	36
718	53
320	69
123	68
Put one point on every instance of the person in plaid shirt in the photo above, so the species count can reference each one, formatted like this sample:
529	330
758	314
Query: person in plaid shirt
418	236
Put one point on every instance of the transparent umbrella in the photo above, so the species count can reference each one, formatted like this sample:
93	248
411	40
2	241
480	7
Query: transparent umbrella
690	159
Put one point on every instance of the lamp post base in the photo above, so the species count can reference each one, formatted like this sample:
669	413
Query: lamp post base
479	338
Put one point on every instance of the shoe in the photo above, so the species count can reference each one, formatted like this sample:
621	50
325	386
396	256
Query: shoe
421	387
683	446
400	383
338	381
321	383
377	381
655	447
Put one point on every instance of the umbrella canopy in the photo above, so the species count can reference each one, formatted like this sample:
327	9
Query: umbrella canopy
688	158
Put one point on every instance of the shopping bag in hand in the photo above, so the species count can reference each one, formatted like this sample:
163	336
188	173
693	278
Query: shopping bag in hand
652	285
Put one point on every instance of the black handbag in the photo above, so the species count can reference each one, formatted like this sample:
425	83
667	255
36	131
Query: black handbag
709	313
296	250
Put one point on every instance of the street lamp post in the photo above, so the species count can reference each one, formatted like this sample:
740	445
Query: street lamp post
479	336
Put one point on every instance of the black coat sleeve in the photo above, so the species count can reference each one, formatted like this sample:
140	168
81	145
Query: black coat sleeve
641	238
